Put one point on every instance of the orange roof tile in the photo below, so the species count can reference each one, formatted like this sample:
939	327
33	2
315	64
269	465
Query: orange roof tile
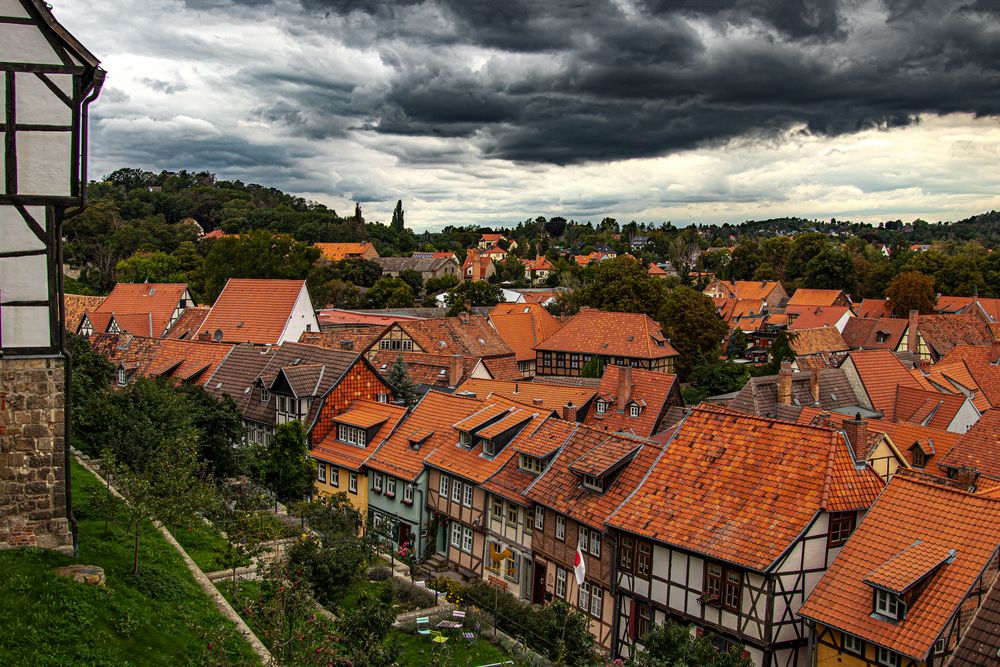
952	304
742	489
604	457
607	334
748	289
358	339
76	305
158	300
814	317
874	334
944	332
979	359
362	413
814	341
815	297
336	252
551	396
935	443
502	368
911	508
140	324
904	570
467	335
874	309
654	392
188	325
930	408
187	359
955	377
522	326
253	311
880	373
979	447
125	350
512	419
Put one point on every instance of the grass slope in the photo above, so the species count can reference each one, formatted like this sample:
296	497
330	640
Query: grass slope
160	617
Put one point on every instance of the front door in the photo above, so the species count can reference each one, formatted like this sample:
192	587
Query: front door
405	534
538	584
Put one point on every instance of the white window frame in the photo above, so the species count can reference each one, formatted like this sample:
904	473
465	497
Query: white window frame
593	483
496	510
320	472
511	515
443	486
456	491
560	527
853	644
334	476
265	395
122	377
633	410
465	439
583	599
456	535
581	540
885	657
601	406
351	435
596	601
489	449
560	583
408	493
886	603
377	482
595	544
467	539
512	567
539	517
352	483
390	486
467	496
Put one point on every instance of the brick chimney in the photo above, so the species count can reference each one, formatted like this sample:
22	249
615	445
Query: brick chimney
205	336
624	386
857	434
537	402
569	412
814	384
911	332
785	383
454	370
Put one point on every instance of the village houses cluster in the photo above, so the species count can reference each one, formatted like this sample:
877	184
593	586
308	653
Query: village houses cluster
846	508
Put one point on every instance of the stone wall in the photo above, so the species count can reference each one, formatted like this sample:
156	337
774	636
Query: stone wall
32	474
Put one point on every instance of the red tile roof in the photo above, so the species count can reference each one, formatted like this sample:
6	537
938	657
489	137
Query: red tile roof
874	334
522	326
911	508
188	325
980	646
815	297
363	414
935	443
880	373
140	324
748	289
929	408
742	489
130	352
955	377
502	368
76	305
467	335
253	311
979	447
654	392
339	317
944	332
358	339
952	304
979	359
157	300
904	570
597	332
813	317
874	309
552	396
813	341
187	360
336	252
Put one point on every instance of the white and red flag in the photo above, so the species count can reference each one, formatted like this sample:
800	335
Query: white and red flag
579	567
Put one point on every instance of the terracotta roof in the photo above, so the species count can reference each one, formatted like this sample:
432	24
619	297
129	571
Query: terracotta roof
904	570
952	304
340	317
935	443
253	311
188	325
874	334
76	305
813	317
431	422
540	263
99	322
988	307
880	373
759	396
467	335
651	390
552	396
930	408
502	368
980	646
814	341
539	296
944	332
187	360
423	369
159	300
510	482
363	414
742	489
130	352
604	457
655	270
748	289
491	237
731	308
979	361
874	309
955	377
911	508
358	339
815	297
522	326
597	332
140	324
560	489
336	252
979	447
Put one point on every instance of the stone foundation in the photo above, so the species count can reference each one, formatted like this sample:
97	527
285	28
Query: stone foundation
32	474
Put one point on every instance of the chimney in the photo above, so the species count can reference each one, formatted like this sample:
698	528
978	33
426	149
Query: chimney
569	412
785	383
455	370
624	386
205	336
857	435
814	384
515	387
347	344
911	332
537	402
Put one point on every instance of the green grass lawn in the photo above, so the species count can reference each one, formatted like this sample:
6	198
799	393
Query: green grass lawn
203	544
158	618
456	652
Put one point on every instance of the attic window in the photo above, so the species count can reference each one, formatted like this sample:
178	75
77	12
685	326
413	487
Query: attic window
465	439
593	483
265	395
442	372
919	459
121	377
889	604
630	338
218	385
152	291
659	343
383	367
633	410
482	342
602	407
527	310
441	343
240	325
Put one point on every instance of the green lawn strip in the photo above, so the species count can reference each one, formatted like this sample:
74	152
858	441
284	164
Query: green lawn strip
457	651
203	544
160	617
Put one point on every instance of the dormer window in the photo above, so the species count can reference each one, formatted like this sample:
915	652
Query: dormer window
593	483
919	459
122	378
602	407
489	448
889	605
265	395
351	435
465	439
532	464
633	410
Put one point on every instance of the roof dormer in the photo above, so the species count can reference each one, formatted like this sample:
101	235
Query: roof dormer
898	582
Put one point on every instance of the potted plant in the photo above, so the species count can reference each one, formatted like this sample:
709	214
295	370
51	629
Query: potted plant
708	597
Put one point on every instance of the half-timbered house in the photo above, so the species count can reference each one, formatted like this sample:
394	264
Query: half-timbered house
732	529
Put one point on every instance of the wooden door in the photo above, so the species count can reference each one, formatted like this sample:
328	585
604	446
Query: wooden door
538	584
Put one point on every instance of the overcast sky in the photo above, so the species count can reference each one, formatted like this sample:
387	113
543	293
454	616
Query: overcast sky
493	111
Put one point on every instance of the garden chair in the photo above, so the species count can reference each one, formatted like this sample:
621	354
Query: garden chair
458	619
423	625
471	634
438	637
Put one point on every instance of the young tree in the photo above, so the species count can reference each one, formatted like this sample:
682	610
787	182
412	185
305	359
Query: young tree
364	631
397	217
566	631
285	603
401	383
245	517
672	644
693	327
220	430
911	291
288	470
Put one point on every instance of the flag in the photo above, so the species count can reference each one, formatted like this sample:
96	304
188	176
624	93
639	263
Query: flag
579	567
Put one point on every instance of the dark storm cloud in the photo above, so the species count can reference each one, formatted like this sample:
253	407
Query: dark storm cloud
569	81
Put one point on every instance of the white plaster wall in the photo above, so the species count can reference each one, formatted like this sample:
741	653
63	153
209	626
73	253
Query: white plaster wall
967	416
21	43
43	164
302	314
14	232
37	105
12	8
24	326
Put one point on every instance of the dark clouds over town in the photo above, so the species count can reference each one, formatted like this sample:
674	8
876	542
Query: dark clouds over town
491	112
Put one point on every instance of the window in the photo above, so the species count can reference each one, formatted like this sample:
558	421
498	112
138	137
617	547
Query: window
467	496
560	583
465	439
644	619
919	460
351	434
443	486
574	360
581	539
321	472
644	558
595	544
941	645
121	377
456	491
886	658
511	567
408	494
561	528
633	410
466	539
888	604
596	601
584	600
841	527
390	487
265	395
602	407
539	517
713	580
456	535
382	398
497	509
593	483
733	589
353	483
489	449
334	476
377	482
853	644
625	555
512	514
531	464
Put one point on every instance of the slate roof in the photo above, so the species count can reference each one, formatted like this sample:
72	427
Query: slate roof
522	326
253	311
815	297
929	408
597	332
76	305
559	488
362	413
650	389
236	375
187	360
814	341
980	647
759	395
157	301
881	373
911	508
188	325
944	332
742	489
979	447
864	333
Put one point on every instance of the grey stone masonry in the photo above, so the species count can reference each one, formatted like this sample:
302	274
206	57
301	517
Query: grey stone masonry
32	471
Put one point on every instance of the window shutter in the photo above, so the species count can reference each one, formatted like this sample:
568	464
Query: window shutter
631	619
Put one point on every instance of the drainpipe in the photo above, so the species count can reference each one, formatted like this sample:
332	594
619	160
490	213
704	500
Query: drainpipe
615	622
